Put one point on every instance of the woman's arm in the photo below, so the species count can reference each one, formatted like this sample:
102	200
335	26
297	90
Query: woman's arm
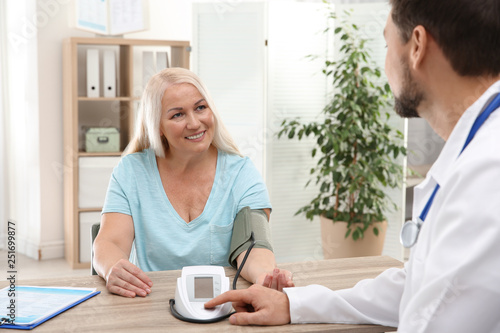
112	248
260	268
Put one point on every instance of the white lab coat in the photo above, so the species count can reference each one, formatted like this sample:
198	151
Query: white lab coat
451	282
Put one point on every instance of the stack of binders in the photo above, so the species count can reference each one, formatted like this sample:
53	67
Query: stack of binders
93	74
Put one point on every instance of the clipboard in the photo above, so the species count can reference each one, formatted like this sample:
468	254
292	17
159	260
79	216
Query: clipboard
55	299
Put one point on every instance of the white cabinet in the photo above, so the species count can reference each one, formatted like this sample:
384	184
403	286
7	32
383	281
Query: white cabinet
93	179
86	220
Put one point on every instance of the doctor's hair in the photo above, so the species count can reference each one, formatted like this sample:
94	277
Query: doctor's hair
466	31
147	131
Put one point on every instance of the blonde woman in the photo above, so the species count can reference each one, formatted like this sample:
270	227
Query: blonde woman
174	196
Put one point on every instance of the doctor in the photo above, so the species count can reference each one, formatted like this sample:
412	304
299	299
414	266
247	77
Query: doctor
443	64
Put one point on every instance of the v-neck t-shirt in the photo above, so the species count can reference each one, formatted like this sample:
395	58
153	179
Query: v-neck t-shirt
163	240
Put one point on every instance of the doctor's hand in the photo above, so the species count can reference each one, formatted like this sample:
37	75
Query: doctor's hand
126	279
256	305
278	279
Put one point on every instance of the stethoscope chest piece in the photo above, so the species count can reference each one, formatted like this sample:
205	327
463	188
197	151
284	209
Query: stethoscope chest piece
409	232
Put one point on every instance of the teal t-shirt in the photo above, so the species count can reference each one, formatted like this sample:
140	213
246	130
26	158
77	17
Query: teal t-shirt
163	240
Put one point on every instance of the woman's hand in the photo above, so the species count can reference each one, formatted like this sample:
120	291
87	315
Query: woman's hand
126	279
279	279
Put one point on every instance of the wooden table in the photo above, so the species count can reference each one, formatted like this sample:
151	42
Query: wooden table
110	313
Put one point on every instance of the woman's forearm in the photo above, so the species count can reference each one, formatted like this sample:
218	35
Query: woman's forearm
258	262
106	255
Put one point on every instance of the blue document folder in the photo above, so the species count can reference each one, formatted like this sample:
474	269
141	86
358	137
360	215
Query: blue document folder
35	305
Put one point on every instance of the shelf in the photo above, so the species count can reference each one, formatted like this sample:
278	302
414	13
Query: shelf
89	210
112	99
81	112
130	42
85	154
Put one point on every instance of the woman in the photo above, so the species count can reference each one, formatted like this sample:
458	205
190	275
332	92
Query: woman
175	193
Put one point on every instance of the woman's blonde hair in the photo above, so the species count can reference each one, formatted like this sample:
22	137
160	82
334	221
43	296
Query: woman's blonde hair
147	130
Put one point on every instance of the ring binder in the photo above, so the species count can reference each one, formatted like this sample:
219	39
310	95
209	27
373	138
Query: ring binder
161	61
92	73
109	74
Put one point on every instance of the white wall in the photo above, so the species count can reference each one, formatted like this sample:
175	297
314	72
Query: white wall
36	29
21	127
35	32
3	108
424	145
34	149
169	19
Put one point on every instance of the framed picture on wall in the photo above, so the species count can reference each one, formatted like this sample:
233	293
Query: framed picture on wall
112	17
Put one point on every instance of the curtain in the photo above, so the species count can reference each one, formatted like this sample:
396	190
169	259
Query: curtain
3	113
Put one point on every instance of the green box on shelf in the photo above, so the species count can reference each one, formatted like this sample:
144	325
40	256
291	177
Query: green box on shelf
102	139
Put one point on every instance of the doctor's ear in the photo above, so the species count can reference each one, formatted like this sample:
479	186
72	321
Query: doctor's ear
419	42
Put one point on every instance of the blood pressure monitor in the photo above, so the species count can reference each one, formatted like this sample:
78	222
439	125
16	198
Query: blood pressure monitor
199	284
196	286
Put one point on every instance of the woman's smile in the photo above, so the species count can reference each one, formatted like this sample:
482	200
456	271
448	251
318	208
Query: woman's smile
196	136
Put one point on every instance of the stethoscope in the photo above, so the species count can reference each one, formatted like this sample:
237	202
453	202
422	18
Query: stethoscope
411	229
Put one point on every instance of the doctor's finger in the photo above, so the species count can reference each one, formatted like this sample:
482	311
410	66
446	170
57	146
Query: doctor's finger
245	318
242	307
260	317
229	296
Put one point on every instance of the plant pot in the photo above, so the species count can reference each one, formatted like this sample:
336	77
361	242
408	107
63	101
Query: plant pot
335	245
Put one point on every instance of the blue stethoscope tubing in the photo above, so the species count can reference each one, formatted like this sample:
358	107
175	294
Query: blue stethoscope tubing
411	229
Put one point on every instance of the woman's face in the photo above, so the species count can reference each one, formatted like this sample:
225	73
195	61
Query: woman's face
186	120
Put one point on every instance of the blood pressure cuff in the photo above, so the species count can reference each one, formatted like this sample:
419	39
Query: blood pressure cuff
246	221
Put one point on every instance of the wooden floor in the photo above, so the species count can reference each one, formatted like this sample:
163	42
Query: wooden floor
28	268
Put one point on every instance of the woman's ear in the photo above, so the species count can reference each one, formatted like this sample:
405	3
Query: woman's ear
418	46
164	140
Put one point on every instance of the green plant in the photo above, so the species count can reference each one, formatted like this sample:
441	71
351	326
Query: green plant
355	147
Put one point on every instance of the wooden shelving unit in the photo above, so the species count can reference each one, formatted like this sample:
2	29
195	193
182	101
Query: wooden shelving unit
79	111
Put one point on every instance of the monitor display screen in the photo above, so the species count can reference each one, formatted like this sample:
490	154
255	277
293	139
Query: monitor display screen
203	287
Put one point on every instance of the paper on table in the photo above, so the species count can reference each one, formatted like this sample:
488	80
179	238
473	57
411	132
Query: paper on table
34	304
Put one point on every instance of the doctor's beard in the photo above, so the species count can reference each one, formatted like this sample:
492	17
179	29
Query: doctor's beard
407	102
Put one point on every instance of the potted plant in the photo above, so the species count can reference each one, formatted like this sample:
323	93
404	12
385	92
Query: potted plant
355	148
